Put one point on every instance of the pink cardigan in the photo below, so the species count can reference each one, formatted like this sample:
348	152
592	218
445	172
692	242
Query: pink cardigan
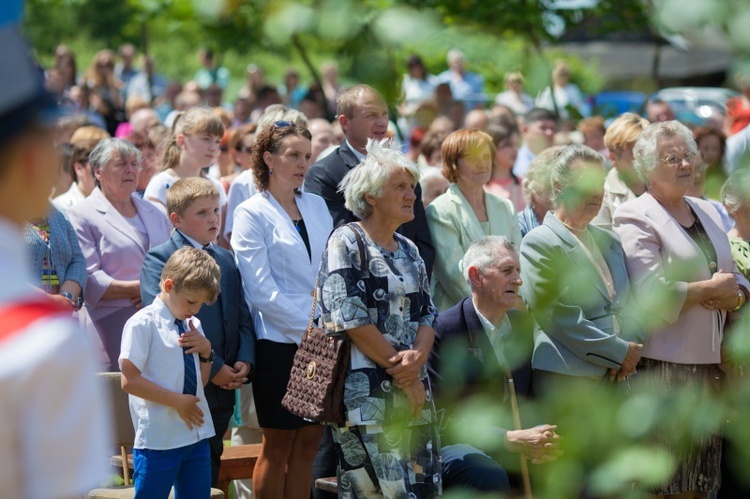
662	259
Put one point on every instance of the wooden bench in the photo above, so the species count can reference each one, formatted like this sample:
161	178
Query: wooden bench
237	463
329	484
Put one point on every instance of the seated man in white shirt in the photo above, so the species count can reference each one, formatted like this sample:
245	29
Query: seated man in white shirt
483	348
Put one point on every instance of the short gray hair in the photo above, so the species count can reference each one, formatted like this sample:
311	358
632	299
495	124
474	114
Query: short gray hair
484	253
562	172
536	180
369	177
736	190
108	149
646	149
455	54
428	174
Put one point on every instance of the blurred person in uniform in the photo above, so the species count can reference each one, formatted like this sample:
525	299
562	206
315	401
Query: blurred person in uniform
47	368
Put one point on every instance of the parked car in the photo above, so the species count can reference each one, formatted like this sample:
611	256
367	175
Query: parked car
697	105
613	103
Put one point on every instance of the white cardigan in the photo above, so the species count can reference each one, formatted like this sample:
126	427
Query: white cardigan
278	276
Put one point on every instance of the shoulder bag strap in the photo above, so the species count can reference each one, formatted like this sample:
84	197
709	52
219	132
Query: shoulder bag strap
364	268
363	260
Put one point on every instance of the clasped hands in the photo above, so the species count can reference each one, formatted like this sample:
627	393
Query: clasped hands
725	292
629	363
541	444
232	377
405	368
228	377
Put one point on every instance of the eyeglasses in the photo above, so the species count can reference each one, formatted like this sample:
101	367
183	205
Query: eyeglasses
676	161
281	124
248	149
224	149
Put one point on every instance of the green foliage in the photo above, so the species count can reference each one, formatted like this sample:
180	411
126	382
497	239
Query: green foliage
370	40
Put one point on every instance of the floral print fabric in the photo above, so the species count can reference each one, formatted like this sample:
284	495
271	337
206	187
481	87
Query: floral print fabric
388	461
383	450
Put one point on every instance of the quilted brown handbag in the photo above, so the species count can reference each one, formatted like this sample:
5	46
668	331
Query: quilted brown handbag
316	385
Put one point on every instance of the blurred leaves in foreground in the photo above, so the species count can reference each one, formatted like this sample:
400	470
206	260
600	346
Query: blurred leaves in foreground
611	431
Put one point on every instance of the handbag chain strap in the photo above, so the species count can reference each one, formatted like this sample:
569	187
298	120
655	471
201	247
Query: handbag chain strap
364	269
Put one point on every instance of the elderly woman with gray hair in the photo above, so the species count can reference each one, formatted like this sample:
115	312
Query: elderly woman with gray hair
115	230
380	300
576	284
536	190
680	263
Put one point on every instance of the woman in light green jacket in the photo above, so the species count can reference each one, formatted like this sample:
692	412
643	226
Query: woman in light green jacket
465	212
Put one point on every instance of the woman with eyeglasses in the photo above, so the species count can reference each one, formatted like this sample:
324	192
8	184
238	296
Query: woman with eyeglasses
680	263
278	238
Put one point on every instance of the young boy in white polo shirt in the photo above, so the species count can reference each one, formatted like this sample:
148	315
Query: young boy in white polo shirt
165	361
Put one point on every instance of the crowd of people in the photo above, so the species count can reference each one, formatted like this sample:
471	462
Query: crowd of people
507	250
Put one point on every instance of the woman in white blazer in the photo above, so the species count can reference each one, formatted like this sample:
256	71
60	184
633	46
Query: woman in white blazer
278	238
115	230
465	213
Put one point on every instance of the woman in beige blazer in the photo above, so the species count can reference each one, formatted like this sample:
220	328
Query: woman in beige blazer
465	212
680	265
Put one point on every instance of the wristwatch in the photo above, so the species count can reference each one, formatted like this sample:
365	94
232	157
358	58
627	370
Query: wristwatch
207	360
740	300
76	302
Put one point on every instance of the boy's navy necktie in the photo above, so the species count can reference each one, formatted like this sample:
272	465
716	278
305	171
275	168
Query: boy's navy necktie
190	385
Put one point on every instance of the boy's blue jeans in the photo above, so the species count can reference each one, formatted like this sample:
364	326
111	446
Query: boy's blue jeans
187	468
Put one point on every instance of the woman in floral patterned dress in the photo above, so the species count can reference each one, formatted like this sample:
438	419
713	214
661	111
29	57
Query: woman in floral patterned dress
388	446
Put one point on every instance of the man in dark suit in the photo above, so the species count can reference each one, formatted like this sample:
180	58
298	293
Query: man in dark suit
193	205
481	344
363	115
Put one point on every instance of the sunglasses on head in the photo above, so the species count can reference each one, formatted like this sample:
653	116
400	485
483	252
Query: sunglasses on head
281	124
